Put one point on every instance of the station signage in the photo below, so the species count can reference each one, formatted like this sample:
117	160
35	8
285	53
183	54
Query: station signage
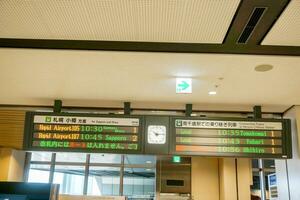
83	132
158	135
234	138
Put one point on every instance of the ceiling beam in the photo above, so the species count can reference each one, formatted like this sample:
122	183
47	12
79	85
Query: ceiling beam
149	47
229	46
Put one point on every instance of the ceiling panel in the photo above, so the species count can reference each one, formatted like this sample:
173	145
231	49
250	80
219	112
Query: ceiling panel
194	21
99	78
286	31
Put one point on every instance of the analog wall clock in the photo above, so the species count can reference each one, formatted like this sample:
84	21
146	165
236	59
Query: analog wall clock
157	134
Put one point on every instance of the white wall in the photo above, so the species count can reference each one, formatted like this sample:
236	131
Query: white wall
11	164
288	172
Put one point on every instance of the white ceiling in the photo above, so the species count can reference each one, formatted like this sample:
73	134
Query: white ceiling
98	78
194	21
286	30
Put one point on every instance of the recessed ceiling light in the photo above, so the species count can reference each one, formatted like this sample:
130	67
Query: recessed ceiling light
148	162
212	92
263	68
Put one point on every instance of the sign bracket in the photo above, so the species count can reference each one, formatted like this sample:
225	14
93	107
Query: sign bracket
127	108
257	112
57	106
258	115
188	110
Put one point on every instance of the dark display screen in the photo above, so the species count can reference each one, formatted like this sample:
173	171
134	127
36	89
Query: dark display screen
83	132
234	138
25	191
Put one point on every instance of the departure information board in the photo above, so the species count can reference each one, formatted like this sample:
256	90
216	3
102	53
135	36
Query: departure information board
83	132
234	138
159	135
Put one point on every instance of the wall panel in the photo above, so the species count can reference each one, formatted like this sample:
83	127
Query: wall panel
205	178
11	164
12	128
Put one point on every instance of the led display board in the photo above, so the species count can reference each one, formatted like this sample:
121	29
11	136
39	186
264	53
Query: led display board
233	138
158	135
83	132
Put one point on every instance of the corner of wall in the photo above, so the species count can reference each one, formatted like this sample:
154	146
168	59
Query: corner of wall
12	164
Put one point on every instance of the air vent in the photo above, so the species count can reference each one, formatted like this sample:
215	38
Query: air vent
256	15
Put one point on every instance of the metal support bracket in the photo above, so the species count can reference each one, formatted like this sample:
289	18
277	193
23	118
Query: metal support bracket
257	115
57	106
257	112
127	108
188	110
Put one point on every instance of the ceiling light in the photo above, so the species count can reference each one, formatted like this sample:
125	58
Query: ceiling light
148	162
263	68
148	169
212	92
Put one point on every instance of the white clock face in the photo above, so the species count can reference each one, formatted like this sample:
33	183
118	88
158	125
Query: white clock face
157	134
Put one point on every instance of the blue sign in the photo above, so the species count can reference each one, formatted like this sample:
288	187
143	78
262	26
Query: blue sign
272	180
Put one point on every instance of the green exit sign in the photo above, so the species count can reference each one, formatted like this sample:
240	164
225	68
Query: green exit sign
183	85
176	159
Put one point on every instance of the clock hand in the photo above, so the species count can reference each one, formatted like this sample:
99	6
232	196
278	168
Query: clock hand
157	134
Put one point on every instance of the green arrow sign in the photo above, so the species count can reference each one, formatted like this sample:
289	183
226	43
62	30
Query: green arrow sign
176	159
183	85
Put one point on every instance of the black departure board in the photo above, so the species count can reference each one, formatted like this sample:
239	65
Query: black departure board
83	132
233	138
159	135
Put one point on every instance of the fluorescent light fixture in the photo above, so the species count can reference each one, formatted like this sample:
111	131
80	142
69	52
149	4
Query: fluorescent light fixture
212	92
